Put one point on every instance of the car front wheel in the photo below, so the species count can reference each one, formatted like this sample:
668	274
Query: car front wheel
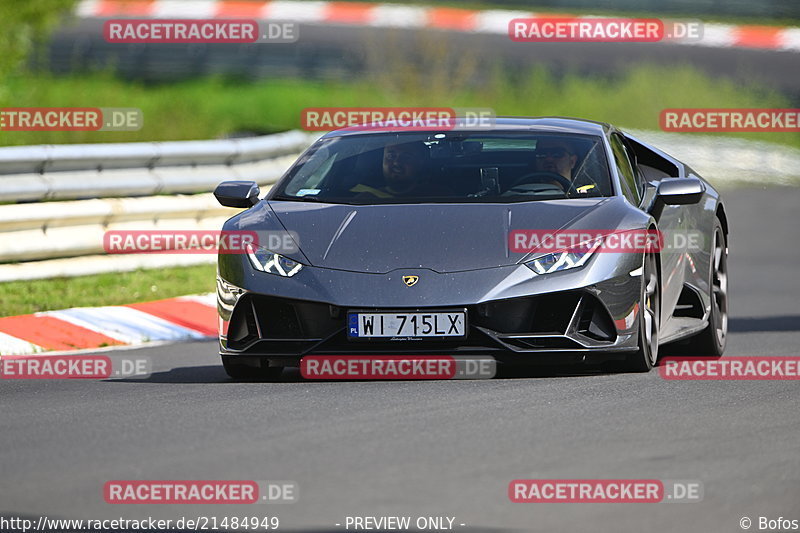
646	356
711	341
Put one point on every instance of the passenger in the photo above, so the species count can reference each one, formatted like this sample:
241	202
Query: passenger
559	157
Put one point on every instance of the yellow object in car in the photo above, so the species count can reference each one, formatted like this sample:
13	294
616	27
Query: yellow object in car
372	190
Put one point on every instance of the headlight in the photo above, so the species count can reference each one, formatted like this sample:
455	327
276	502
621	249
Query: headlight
272	263
575	257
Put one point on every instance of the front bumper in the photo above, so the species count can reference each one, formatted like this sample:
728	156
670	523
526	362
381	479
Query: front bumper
512	313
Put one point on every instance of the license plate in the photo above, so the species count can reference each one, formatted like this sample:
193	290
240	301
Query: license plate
402	325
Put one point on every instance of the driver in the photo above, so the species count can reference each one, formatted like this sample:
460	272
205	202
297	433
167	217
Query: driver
558	157
406	167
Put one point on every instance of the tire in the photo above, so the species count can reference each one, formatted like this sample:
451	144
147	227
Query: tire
712	340
242	372
645	358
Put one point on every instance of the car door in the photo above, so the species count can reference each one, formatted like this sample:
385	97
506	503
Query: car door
698	223
670	223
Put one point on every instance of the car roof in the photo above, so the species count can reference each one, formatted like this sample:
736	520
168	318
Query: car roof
542	124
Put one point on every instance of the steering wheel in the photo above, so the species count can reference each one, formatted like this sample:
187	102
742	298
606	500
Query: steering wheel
544	177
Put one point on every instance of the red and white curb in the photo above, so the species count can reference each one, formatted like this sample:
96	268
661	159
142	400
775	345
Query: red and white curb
395	15
81	328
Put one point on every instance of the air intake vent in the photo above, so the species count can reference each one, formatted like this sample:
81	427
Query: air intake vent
594	321
243	326
689	304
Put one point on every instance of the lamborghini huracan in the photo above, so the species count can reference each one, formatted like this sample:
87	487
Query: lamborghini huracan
406	242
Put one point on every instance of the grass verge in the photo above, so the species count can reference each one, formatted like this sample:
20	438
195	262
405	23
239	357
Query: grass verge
116	288
214	108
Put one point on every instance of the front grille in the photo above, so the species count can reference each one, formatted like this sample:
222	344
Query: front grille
545	314
271	325
259	317
476	341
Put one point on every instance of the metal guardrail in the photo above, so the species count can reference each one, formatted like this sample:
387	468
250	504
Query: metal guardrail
125	186
65	172
97	188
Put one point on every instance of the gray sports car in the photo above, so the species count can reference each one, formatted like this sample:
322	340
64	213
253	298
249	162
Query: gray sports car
502	241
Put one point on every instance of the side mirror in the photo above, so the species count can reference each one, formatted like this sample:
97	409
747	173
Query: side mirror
237	193
677	191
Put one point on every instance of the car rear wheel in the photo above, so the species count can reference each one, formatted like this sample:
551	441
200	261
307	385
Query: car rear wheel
243	372
646	356
712	340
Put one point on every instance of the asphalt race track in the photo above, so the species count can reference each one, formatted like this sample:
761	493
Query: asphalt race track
445	448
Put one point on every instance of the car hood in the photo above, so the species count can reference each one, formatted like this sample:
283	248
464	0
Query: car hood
440	237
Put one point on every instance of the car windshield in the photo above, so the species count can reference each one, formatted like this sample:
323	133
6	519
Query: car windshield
448	167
